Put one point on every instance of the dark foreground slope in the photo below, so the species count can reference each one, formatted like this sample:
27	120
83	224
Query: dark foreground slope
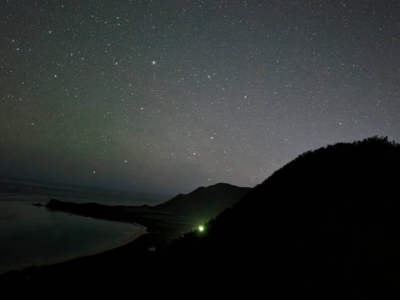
326	224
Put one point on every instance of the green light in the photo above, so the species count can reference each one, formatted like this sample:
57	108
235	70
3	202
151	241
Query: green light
201	228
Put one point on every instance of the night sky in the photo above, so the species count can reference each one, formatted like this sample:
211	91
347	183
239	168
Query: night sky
165	96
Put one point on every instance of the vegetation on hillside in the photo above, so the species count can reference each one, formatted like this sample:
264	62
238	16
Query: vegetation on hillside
327	220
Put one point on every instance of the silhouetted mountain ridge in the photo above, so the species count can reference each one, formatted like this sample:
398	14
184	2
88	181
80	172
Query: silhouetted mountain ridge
327	221
205	202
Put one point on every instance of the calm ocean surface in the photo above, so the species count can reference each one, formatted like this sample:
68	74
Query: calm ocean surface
35	235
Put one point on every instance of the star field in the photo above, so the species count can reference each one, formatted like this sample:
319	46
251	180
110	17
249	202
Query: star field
167	96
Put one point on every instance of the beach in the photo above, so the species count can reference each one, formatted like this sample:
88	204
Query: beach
36	236
141	231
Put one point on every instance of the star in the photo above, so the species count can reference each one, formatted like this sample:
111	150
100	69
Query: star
265	93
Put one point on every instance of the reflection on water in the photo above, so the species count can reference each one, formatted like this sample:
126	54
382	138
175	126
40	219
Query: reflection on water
30	234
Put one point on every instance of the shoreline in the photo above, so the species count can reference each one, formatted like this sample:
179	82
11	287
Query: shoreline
141	231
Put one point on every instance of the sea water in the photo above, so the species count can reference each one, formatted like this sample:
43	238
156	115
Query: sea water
32	235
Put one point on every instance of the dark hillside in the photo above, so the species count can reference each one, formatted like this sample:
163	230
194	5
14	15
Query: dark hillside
327	220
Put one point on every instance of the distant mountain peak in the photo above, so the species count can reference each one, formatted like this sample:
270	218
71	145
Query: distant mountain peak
205	202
